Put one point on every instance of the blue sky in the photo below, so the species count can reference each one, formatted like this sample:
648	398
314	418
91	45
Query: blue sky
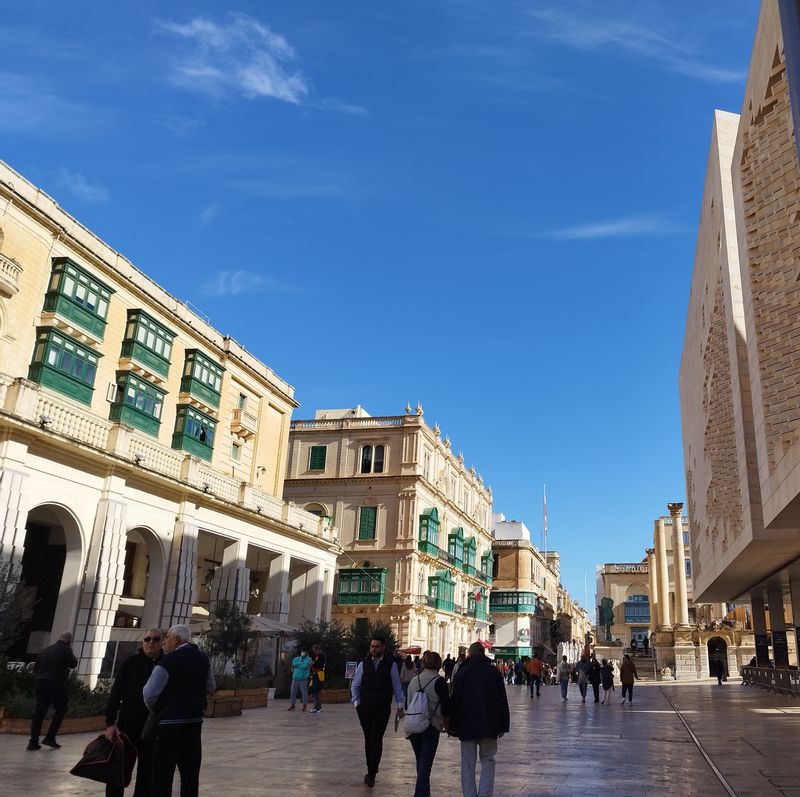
489	208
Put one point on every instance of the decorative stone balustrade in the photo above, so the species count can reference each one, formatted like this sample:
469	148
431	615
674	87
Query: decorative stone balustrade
244	424
59	417
348	423
10	272
150	454
219	485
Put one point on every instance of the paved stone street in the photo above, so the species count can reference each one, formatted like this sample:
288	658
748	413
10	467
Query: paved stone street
553	748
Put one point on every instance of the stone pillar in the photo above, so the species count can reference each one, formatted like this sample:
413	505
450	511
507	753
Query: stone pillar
232	579
105	570
651	569
276	597
777	624
794	588
15	503
759	627
681	599
662	576
181	594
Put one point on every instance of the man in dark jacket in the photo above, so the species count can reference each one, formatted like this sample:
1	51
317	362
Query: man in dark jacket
127	712
479	716
176	692
52	668
375	683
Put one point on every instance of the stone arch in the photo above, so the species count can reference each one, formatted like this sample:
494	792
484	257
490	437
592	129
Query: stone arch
637	589
317	508
52	566
143	579
717	649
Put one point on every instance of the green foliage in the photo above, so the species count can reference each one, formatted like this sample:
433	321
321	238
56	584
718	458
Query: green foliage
232	682
230	629
362	633
16	605
18	695
335	641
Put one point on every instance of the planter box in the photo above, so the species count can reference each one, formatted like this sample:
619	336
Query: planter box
335	696
69	725
253	698
224	706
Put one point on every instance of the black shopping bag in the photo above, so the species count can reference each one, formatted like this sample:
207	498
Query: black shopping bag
109	762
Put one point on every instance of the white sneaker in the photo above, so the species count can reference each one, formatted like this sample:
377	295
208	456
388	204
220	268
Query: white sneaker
623	701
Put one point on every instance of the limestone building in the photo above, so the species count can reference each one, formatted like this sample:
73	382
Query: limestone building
142	453
740	369
530	609
413	520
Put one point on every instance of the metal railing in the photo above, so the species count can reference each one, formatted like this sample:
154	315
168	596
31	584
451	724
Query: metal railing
784	681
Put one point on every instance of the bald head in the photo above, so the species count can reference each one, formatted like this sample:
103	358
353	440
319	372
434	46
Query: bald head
66	637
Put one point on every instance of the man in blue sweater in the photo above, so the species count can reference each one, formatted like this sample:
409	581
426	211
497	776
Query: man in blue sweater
176	693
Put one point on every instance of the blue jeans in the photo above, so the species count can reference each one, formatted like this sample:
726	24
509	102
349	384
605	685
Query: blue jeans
564	687
424	745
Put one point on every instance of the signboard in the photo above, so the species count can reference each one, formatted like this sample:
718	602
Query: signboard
639	567
780	649
762	649
350	668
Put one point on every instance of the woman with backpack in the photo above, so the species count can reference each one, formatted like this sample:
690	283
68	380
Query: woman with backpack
428	705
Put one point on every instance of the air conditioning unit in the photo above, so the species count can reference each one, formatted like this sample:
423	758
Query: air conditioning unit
111	392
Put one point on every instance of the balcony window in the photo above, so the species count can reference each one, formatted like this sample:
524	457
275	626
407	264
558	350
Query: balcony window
470	547
488	566
367	521
429	531
363	585
61	363
316	457
194	432
202	378
688	565
441	590
372	459
78	296
513	601
148	342
637	609
138	403
455	544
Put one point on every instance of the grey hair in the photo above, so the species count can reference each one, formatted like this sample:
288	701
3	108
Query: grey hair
66	637
181	632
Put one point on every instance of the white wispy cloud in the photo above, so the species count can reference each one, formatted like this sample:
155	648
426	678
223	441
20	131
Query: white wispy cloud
29	103
81	187
637	37
625	227
233	282
240	54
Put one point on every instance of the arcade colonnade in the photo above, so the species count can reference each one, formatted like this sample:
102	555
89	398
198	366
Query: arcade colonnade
113	551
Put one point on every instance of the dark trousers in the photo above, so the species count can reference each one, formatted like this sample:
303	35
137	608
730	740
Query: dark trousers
144	767
596	690
536	683
424	745
49	693
627	688
177	746
373	723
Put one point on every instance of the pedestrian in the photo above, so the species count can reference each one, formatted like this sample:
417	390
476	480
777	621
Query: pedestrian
301	671
176	693
426	743
595	677
634	646
564	672
375	683
510	672
459	661
607	679
718	670
479	716
646	645
317	682
447	665
627	675
582	669
534	670
51	669
126	711
417	664
407	673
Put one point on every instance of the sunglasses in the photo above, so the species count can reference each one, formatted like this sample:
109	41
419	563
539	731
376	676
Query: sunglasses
152	639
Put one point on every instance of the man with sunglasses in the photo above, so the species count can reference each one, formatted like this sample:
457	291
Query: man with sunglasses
127	712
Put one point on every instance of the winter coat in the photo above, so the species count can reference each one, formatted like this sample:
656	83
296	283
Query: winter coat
54	662
125	705
479	706
607	676
595	676
627	672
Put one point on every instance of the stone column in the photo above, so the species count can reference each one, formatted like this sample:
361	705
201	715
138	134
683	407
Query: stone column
276	597
759	627
777	624
651	570
681	599
232	579
662	576
181	594
794	588
105	570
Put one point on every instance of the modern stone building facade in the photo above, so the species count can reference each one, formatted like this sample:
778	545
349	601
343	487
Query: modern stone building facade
413	519
142	453
530	609
740	372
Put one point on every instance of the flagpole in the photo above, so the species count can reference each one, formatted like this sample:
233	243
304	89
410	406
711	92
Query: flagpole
544	525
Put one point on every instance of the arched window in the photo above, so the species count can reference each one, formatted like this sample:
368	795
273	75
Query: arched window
366	459
372	459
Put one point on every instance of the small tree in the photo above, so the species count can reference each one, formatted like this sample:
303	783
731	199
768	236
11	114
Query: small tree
16	605
362	633
335	641
229	633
